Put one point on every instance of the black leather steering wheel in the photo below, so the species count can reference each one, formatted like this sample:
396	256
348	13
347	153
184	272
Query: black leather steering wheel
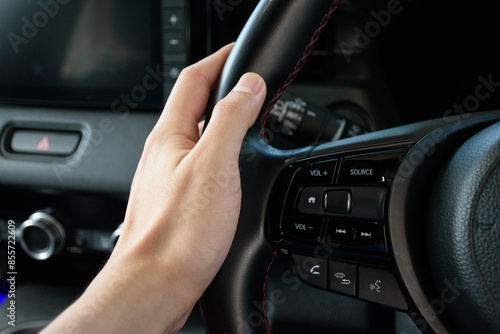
442	205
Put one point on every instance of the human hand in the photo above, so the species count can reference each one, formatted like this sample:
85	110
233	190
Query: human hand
182	212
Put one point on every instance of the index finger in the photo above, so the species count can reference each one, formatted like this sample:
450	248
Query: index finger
189	96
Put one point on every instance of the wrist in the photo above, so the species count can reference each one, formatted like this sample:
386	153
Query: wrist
157	297
127	296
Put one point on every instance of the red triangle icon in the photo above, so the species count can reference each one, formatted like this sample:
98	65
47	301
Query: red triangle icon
43	145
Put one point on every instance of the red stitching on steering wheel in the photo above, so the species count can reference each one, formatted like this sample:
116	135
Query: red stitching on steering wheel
297	69
264	305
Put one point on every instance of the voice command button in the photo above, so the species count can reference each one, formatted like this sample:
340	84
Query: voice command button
380	286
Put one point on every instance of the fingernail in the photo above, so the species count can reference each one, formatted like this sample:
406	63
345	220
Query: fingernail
249	83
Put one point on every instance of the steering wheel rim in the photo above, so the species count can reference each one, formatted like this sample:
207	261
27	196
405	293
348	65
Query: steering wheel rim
233	302
276	30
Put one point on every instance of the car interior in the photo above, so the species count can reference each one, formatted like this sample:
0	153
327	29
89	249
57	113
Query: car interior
370	181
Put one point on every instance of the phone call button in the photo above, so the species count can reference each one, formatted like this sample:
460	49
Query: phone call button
312	271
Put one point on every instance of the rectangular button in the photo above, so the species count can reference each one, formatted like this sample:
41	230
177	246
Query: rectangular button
173	19
340	233
368	202
319	173
174	42
311	270
342	277
311	201
379	285
303	228
370	236
44	142
370	169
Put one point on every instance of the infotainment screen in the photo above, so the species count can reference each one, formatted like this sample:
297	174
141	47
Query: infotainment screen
82	52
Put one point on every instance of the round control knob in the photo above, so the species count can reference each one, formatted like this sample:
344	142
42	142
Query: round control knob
41	236
113	239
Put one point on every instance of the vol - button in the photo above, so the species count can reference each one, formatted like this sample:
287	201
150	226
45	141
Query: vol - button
302	228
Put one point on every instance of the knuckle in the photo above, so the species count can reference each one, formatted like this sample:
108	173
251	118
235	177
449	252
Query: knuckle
192	72
232	102
153	139
150	140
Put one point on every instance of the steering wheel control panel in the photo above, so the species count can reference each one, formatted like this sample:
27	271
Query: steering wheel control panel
330	213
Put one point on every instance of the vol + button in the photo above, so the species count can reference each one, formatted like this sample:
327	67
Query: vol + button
320	173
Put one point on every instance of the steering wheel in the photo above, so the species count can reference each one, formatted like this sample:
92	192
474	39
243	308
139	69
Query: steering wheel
409	214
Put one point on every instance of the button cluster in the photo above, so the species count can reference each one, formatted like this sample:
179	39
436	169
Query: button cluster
351	202
335	207
341	202
362	235
365	282
174	22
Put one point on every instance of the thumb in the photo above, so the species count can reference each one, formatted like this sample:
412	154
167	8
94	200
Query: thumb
233	116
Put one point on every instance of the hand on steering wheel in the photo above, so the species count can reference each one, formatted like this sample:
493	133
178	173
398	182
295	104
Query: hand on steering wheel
182	212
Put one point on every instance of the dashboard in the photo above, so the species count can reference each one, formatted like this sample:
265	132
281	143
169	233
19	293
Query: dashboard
82	84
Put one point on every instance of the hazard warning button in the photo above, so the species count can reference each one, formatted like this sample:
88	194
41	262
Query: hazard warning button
44	142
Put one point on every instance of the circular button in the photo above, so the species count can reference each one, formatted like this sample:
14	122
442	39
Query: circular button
41	236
